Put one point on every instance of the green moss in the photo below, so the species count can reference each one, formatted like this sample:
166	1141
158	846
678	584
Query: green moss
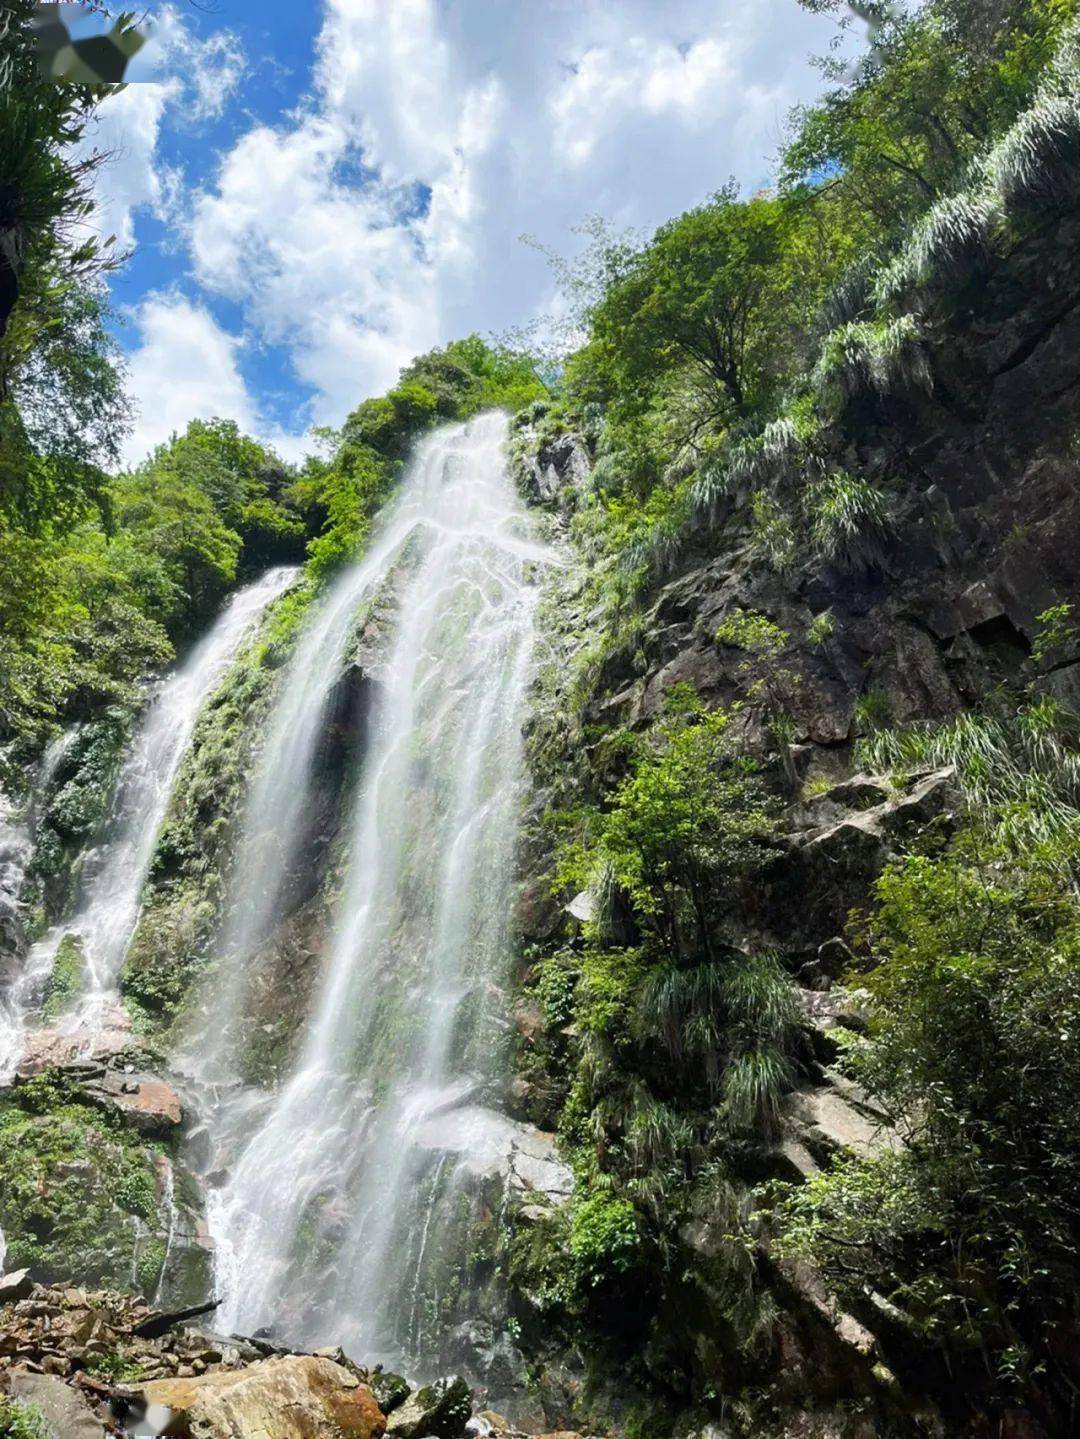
66	979
149	1266
77	806
172	945
76	1188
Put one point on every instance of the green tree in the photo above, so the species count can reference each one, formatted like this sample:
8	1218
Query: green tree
942	80
177	521
683	829
971	1224
708	291
249	488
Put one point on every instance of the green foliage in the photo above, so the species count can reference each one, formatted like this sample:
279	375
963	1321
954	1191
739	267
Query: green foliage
880	358
974	981
604	1239
873	713
821	629
1017	765
341	495
1056	632
707	291
849	517
678	1046
944	80
22	1421
65	979
682	829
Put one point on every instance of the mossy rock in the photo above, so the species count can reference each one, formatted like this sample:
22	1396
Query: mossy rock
77	806
77	1190
65	981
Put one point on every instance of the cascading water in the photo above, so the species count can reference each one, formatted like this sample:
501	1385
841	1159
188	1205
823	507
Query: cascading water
351	1183
111	884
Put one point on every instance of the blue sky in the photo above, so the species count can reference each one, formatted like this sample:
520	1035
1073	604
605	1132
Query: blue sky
316	192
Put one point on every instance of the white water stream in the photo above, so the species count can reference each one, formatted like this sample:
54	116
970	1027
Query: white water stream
334	1220
115	871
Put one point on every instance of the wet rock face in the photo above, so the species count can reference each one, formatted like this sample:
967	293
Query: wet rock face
90	1184
15	851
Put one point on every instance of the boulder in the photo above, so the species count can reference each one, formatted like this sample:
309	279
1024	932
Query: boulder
390	1390
835	1008
14	1286
149	1105
65	1411
837	1115
298	1397
439	1410
79	1050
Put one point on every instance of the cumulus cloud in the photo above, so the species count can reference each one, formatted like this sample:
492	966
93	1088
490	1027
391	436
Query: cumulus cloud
126	131
384	215
178	80
184	367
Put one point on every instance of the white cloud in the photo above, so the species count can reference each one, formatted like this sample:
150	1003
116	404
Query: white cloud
126	131
612	87
330	269
383	216
178	79
210	70
183	368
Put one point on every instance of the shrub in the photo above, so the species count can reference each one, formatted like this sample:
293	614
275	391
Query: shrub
604	1239
849	518
970	1224
1038	161
821	628
876	358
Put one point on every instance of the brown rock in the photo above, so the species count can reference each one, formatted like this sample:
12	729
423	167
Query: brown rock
288	1398
151	1106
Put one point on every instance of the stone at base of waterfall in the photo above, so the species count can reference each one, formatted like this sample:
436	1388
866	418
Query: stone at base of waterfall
390	1390
303	1397
57	1047
437	1411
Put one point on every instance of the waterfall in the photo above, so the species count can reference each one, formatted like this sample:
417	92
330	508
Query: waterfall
110	890
335	1199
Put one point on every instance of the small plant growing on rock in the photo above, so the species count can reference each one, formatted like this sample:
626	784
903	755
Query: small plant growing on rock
849	519
821	629
1056	632
873	711
764	678
22	1421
